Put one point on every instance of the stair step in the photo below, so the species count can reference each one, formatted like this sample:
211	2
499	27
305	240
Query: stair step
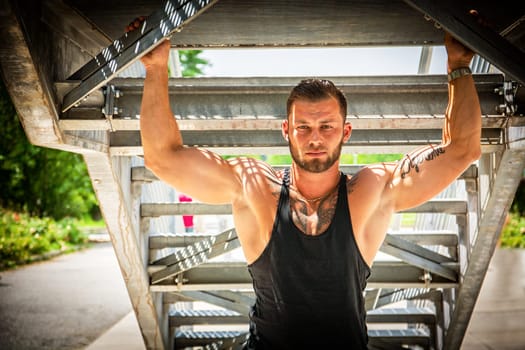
209	97
141	173
401	315
391	337
399	337
179	240
185	339
448	206
192	317
235	275
385	315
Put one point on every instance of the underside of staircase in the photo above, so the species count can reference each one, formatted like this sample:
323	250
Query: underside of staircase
64	64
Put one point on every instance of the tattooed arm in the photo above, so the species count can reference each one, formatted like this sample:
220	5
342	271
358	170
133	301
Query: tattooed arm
425	172
380	190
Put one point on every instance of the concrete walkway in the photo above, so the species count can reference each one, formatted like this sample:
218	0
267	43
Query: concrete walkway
498	322
64	303
125	334
79	301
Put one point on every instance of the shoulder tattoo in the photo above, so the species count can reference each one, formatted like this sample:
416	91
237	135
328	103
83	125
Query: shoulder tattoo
351	182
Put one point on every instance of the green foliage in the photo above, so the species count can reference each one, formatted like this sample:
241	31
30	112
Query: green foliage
513	234
40	181
25	238
377	158
285	159
191	64
369	158
518	204
279	159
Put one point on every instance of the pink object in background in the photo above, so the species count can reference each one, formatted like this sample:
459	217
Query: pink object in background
187	219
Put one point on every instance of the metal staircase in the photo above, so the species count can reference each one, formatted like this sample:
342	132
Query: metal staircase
61	62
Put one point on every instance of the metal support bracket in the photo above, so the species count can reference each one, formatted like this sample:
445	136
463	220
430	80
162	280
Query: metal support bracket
424	263
509	106
110	107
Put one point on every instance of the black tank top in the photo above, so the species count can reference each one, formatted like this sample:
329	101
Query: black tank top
309	289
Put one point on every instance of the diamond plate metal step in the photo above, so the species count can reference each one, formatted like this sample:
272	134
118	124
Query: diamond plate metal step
401	315
377	338
192	317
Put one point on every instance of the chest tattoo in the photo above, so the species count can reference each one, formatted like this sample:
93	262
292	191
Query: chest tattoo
313	218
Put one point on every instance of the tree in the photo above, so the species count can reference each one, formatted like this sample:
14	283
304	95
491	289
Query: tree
191	64
40	181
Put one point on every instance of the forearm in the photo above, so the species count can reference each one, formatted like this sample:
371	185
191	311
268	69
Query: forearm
159	130
462	129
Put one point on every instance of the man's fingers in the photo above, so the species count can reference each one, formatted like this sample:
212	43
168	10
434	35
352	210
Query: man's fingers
136	23
481	19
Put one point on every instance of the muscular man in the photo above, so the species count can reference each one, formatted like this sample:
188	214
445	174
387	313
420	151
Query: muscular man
310	233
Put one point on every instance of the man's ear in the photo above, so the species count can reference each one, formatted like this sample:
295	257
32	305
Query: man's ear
347	131
284	129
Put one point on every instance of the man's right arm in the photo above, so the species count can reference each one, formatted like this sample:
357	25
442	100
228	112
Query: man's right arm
201	174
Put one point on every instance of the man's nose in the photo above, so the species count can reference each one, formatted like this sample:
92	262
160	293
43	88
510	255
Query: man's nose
315	137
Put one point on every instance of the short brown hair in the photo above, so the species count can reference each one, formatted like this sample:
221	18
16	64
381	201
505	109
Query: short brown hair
315	90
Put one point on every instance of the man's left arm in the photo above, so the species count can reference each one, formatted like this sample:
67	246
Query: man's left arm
425	172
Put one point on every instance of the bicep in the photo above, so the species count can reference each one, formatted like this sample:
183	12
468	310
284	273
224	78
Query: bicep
424	173
201	174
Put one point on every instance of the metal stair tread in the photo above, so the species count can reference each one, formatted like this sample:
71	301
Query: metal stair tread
141	173
401	315
409	336
452	206
416	336
208	334
402	311
179	240
203	313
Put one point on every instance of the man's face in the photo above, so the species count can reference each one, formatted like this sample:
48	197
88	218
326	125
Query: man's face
316	132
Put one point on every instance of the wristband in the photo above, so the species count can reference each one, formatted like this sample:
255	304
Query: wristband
458	73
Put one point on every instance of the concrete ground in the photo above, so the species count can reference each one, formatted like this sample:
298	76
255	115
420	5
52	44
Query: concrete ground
498	321
64	303
79	301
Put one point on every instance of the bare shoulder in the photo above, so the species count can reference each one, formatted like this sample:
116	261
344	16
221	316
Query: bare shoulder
255	206
371	206
369	192
258	177
374	176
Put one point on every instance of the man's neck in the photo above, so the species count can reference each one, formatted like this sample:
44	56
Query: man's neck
314	185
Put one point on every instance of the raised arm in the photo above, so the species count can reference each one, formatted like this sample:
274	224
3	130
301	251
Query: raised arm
198	173
425	172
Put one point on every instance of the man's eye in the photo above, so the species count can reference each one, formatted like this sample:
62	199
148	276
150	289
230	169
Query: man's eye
326	127
303	127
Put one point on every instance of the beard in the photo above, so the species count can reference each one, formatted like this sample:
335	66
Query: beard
315	165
